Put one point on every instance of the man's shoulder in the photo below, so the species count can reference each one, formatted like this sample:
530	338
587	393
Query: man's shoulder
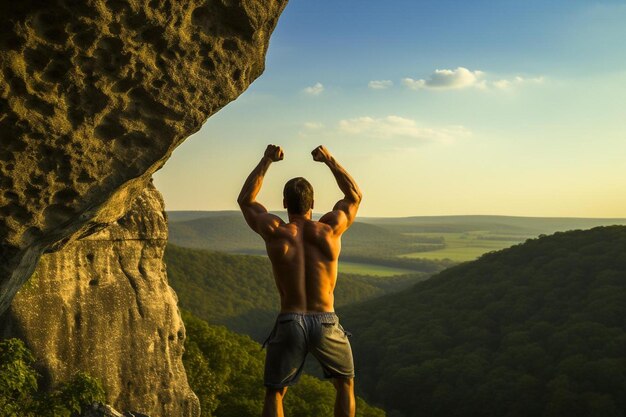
319	224
319	229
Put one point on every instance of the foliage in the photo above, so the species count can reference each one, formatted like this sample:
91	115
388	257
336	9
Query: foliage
19	394
225	370
200	376
72	396
228	233
535	330
18	380
239	291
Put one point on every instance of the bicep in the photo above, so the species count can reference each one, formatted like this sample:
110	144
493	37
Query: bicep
259	219
342	216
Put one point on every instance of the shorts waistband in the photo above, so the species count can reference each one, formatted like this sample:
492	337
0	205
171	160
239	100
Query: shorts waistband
317	315
321	316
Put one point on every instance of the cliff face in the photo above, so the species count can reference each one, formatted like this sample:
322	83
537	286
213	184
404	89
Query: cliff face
94	97
102	304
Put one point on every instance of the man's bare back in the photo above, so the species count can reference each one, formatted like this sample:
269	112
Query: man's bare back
303	252
304	259
304	255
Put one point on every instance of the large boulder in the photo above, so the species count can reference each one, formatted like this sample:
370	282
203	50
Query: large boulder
94	97
102	304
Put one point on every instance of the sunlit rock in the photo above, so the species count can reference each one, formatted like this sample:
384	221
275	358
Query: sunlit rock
102	305
94	97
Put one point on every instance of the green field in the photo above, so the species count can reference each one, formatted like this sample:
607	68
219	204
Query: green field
368	269
466	246
377	240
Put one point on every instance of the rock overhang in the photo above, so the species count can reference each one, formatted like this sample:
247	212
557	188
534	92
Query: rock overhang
94	97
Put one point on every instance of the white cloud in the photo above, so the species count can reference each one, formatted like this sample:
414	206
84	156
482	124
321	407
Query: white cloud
312	128
506	84
380	84
502	84
446	79
313	125
461	77
314	90
396	126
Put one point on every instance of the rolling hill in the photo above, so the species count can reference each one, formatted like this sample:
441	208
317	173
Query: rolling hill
225	233
436	241
363	243
230	233
185	215
239	291
535	330
494	224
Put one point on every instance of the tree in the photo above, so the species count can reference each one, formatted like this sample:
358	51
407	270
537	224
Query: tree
19	393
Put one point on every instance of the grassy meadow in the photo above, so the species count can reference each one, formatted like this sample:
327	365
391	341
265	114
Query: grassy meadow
369	269
466	246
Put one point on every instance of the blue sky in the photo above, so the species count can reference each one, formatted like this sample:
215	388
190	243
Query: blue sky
435	107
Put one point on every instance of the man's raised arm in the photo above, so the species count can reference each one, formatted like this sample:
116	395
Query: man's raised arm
255	214
344	212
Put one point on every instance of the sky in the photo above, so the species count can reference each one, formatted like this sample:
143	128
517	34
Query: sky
434	107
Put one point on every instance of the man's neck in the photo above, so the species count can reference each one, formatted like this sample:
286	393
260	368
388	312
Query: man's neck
299	217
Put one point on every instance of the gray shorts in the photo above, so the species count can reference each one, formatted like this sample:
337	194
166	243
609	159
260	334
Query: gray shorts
294	336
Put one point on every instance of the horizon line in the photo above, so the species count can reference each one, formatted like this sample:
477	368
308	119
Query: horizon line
420	215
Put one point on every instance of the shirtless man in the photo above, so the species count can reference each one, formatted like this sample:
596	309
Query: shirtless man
304	257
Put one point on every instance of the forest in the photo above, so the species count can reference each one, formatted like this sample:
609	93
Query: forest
225	370
535	330
22	396
238	291
538	329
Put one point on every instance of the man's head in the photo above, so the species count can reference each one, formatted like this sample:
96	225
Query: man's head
298	196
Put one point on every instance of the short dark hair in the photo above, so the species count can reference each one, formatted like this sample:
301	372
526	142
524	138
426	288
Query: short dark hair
298	194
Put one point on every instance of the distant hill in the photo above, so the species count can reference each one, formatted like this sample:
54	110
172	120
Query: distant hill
224	232
462	223
185	215
229	232
239	291
535	330
494	224
439	240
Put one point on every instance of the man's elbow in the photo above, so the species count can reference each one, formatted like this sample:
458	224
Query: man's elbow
242	201
357	196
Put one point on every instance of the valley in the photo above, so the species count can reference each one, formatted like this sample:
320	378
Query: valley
524	324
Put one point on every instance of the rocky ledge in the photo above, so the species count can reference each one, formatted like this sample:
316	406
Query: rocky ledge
94	97
102	305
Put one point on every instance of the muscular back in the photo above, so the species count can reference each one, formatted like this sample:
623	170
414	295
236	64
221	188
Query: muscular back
303	252
304	257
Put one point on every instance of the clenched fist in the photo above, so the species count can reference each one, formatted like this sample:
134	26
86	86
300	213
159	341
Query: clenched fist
274	153
321	154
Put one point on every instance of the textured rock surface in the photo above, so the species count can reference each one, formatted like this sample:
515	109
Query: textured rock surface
102	305
95	95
